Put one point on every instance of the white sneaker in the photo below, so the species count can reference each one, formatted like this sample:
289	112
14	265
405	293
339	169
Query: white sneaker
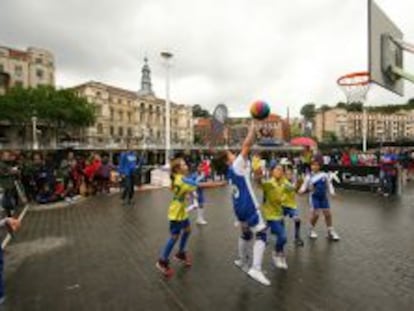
333	235
279	262
258	276
313	234
242	265
284	263
201	221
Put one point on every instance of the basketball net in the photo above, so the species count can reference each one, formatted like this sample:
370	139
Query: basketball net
355	86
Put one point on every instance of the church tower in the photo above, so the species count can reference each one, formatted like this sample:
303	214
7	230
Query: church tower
146	86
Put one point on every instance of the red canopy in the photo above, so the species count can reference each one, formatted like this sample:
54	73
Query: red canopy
303	141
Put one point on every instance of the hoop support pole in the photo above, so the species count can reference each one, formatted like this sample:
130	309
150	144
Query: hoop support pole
401	73
407	46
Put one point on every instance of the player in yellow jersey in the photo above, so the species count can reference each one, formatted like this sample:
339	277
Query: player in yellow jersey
289	203
178	217
273	213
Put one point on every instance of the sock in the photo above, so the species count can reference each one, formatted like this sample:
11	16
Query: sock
200	213
244	250
183	241
258	250
168	248
297	229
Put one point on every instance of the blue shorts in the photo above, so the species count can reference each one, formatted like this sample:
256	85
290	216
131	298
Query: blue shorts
252	217
319	203
291	212
276	227
177	226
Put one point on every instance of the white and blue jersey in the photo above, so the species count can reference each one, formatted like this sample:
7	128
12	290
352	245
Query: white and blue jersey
319	184
245	204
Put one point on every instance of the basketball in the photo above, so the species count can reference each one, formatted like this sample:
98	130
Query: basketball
260	110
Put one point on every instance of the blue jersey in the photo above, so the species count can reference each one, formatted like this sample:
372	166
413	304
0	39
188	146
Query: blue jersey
319	184
199	178
244	199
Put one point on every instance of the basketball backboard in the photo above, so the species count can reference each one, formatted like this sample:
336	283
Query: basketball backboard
385	52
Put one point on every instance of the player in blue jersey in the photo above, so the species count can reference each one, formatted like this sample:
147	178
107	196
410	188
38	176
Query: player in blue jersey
246	209
197	197
319	183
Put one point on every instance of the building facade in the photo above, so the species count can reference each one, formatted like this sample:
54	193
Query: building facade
130	119
29	68
348	126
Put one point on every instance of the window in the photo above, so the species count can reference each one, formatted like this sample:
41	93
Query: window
111	131
1	68
98	110
100	128
119	101
120	131
98	94
18	70
111	113
121	115
38	60
39	73
129	116
129	132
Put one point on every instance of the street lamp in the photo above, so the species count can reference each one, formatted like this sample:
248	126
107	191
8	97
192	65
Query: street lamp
34	131
167	56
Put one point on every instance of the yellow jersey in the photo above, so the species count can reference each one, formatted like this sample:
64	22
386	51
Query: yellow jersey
289	194
256	163
272	194
181	188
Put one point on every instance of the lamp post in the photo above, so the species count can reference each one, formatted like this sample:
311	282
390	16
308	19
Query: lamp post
34	131
167	56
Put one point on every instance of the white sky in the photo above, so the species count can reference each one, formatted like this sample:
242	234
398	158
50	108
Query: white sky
288	53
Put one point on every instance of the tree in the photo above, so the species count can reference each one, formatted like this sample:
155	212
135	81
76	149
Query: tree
53	108
48	105
295	130
308	111
199	112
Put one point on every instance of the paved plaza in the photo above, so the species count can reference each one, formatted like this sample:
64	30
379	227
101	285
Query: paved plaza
98	255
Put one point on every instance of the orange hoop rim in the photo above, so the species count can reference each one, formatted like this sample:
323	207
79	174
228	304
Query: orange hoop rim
363	78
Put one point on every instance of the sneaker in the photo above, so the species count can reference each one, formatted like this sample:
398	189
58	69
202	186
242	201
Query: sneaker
332	235
164	267
258	276
284	263
279	261
201	221
2	300
183	258
242	265
299	242
313	234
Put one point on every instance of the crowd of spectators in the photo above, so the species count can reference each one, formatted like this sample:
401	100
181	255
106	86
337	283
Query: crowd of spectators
48	177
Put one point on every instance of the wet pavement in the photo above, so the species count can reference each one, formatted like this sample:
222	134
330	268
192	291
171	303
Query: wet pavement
99	255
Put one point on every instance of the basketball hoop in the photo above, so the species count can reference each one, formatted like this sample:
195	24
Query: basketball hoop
355	86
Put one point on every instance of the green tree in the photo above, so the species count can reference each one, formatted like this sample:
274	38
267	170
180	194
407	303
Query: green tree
53	108
308	112
295	130
199	112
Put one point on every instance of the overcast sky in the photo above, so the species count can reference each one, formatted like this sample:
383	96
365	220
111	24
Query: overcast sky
287	52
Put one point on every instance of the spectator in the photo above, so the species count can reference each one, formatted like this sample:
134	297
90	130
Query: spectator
127	167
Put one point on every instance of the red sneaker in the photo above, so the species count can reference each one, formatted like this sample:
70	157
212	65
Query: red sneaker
184	258
164	267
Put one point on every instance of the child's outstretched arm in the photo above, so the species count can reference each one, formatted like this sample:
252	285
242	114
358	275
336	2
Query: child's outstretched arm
248	141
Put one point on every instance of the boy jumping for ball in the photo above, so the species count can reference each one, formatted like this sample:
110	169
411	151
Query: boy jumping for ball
246	208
